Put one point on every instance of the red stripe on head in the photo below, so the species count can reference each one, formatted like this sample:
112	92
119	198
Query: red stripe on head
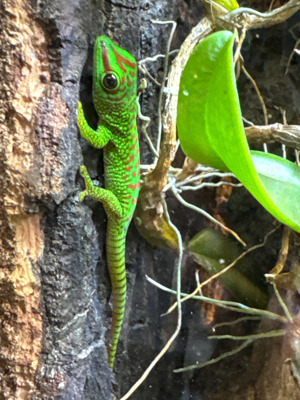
117	98
122	60
105	58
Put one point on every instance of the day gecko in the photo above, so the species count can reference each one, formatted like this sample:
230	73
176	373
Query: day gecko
114	96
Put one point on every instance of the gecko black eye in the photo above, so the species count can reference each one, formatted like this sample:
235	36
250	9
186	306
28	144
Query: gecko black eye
110	81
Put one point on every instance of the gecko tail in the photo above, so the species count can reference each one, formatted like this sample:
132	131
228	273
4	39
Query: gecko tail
116	263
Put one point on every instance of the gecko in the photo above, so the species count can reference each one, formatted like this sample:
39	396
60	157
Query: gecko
115	101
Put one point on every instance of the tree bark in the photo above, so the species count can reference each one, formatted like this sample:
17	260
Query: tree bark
54	288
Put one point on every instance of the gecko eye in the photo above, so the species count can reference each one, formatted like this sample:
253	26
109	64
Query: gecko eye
110	81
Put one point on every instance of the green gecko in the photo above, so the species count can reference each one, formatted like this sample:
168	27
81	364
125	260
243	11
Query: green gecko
114	96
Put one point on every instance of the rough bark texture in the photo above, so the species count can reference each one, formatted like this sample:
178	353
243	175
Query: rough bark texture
54	288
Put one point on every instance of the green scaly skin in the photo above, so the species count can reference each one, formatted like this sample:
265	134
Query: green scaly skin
114	95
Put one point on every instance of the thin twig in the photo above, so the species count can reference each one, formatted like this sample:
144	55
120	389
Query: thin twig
294	51
282	303
226	304
146	121
241	39
144	71
255	336
261	100
166	65
215	360
199	177
209	184
235	322
206	214
266	15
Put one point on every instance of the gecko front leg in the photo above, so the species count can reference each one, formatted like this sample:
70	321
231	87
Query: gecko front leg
97	138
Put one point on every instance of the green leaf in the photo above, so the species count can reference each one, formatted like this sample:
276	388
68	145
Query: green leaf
214	251
230	5
211	130
281	178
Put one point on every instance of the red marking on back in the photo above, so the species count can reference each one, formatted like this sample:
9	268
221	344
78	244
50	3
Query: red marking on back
137	163
134	187
128	196
137	151
134	201
134	144
105	58
132	74
134	174
128	168
125	176
129	160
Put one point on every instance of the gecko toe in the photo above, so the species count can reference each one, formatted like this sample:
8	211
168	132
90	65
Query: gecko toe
82	195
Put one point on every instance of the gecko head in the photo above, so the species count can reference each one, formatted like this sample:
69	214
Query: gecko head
115	74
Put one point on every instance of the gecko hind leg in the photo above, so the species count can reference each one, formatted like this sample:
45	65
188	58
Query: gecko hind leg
106	197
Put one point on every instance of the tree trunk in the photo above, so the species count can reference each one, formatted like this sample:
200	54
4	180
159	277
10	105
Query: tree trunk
54	287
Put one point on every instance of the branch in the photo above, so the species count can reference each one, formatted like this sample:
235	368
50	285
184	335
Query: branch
285	134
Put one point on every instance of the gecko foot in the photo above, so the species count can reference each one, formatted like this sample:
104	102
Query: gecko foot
84	172
82	195
88	183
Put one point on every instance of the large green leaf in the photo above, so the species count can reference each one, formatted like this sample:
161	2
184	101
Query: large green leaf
211	130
